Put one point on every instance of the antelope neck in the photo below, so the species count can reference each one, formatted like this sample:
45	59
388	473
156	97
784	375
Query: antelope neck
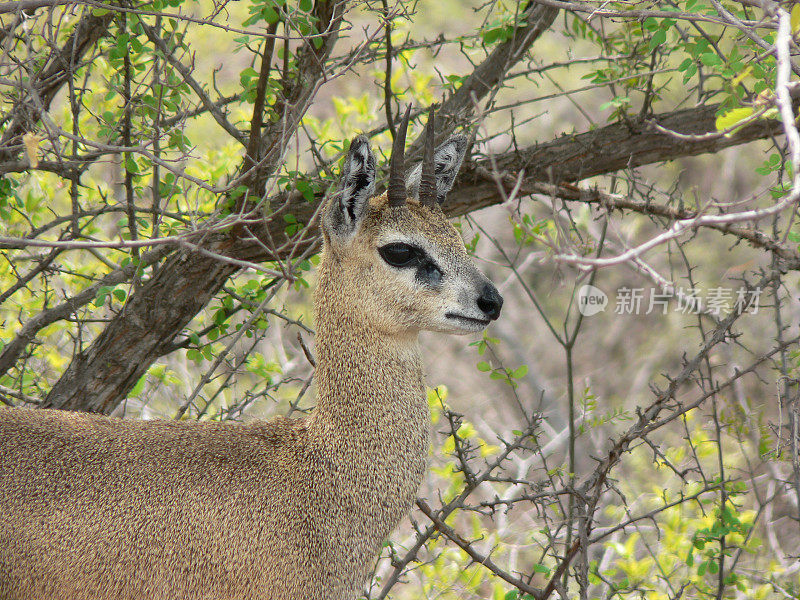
360	368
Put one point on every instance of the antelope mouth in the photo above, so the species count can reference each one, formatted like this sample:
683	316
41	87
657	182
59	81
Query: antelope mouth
469	320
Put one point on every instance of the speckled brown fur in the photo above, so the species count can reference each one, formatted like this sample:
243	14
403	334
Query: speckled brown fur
95	508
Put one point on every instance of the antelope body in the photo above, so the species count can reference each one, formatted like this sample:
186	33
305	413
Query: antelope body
95	508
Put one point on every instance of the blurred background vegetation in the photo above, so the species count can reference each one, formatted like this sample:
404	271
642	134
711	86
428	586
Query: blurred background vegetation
162	162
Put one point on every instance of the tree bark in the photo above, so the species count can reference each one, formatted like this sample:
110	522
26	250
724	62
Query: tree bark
98	379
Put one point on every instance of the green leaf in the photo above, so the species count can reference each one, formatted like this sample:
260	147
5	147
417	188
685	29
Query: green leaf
659	37
699	543
137	389
305	188
541	569
102	294
247	75
701	570
710	59
484	366
130	164
491	36
270	15
690	72
732	117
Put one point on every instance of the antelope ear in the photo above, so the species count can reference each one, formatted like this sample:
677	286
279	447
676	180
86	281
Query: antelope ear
448	158
347	207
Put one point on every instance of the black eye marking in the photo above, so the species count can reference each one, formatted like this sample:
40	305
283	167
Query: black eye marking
399	254
429	274
406	256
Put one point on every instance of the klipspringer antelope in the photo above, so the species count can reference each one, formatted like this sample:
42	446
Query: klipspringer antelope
95	508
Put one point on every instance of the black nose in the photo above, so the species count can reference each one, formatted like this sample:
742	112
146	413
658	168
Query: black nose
490	301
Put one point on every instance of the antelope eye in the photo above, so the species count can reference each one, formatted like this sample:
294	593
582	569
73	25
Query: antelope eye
398	255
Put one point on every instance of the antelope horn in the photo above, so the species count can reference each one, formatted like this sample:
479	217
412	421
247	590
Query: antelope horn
397	166
427	182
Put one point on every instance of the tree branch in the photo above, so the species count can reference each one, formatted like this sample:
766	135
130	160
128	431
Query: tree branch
563	160
487	76
476	556
98	379
50	79
575	157
27	334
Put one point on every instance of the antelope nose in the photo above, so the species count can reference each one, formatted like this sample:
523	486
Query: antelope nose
490	301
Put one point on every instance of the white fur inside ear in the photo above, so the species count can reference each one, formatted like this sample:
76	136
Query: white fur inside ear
448	158
358	182
356	188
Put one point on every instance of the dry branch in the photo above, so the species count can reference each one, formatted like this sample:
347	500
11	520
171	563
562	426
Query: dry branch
49	80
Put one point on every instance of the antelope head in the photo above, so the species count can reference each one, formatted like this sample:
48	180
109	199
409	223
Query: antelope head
396	254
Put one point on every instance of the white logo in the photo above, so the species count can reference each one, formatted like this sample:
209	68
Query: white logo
591	300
